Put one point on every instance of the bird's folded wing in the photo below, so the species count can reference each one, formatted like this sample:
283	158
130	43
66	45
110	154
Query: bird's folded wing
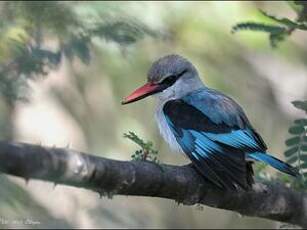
215	134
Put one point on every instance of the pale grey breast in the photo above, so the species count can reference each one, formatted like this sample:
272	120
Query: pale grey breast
165	130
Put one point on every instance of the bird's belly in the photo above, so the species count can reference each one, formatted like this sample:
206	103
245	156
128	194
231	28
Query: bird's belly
166	132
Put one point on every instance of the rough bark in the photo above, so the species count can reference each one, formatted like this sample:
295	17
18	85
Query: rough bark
139	178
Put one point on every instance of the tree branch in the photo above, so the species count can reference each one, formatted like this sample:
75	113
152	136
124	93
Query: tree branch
179	183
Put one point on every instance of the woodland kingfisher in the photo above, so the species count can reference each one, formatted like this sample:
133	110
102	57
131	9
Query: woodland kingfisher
210	128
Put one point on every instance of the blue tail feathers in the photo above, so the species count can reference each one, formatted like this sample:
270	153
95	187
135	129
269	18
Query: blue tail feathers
274	162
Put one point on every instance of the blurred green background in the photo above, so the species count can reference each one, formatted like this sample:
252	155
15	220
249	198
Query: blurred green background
75	102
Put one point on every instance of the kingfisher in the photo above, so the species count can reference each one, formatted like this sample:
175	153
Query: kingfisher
210	128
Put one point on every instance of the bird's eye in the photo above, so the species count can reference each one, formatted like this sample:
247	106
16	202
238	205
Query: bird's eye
170	80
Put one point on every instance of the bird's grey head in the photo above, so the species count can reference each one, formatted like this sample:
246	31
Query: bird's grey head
169	77
170	65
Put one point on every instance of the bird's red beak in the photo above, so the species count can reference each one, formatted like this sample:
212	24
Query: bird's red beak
142	92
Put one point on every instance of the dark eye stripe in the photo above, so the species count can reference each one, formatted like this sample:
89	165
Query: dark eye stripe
170	80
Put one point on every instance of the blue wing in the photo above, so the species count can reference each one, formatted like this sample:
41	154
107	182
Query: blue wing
222	110
215	134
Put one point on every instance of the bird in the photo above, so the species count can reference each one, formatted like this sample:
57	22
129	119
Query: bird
209	127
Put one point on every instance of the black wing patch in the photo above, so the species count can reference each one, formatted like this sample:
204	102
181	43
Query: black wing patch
217	159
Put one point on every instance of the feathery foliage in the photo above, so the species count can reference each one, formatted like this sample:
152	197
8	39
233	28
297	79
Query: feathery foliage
35	36
147	152
297	143
280	28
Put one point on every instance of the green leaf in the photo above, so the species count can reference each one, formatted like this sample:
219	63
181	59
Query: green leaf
303	158
304	148
285	21
254	26
122	32
78	46
300	105
302	122
291	151
146	152
276	33
53	58
275	38
296	130
293	141
292	159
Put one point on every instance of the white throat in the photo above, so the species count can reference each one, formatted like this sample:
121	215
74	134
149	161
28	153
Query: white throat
181	88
